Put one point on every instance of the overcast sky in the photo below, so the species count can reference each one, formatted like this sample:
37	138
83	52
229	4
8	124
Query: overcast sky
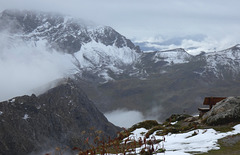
143	19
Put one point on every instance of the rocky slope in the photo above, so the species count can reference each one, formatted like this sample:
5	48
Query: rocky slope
160	87
63	116
179	134
223	64
218	64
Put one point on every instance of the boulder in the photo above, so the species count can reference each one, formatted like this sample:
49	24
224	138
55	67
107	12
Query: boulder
224	112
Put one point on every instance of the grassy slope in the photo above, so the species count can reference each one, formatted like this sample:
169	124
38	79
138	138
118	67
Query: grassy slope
229	145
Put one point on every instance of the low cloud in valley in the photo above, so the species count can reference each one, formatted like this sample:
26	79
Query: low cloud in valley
127	118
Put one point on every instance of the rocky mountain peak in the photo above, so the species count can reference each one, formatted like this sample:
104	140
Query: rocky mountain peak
27	21
100	48
174	56
63	116
62	32
108	36
236	46
177	50
231	53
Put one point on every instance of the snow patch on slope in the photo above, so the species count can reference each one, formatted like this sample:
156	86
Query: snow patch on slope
176	56
95	54
199	140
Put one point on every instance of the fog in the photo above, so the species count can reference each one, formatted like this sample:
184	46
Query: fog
26	67
126	118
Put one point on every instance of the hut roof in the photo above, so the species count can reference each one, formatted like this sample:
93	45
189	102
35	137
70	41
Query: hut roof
212	100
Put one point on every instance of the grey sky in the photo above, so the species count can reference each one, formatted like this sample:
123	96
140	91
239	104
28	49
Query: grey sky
146	18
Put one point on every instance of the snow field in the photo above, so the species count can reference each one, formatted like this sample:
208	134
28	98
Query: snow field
199	140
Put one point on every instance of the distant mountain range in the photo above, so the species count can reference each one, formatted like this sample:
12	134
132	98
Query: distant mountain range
161	43
115	73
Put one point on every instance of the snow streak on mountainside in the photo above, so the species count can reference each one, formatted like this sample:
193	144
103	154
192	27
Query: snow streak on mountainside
223	62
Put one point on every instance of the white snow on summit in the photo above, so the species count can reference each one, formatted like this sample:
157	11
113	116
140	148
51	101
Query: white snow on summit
97	54
229	58
175	56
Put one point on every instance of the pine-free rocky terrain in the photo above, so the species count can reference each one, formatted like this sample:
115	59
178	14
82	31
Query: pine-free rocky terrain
115	74
61	117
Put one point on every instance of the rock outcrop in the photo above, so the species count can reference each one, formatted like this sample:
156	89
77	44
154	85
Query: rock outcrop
63	116
225	111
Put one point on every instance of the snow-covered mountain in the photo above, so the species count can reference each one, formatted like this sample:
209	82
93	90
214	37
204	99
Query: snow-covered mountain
94	48
223	62
175	56
169	57
218	64
99	55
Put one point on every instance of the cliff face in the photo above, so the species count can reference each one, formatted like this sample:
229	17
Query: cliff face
63	116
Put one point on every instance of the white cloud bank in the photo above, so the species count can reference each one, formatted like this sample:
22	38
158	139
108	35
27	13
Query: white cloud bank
126	118
193	45
27	67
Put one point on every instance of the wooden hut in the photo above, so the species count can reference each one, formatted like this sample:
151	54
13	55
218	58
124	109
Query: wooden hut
211	101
